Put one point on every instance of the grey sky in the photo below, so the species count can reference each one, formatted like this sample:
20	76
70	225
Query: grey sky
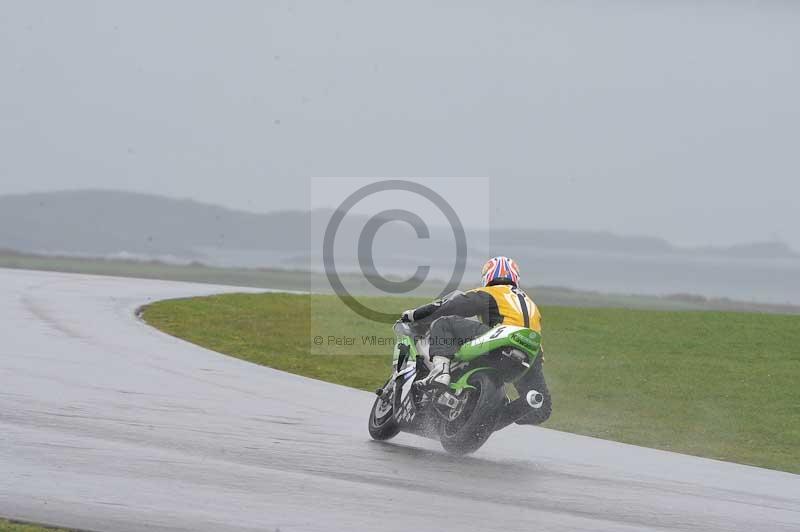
675	119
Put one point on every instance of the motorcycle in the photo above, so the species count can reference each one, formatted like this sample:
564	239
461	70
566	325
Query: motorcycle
483	396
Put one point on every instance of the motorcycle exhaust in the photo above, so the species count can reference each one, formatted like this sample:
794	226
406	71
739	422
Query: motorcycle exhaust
519	408
534	399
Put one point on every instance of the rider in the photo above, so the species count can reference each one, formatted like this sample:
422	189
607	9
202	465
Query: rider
499	300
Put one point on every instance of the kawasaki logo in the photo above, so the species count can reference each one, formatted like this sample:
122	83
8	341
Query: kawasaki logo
524	341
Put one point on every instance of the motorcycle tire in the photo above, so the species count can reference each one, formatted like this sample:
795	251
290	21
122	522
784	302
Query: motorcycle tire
382	423
470	430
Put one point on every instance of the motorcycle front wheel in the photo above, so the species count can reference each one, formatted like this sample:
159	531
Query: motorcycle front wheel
382	424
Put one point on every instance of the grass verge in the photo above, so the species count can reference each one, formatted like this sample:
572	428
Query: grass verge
713	384
11	526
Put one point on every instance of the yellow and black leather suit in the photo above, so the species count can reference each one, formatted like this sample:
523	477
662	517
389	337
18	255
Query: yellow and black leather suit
493	305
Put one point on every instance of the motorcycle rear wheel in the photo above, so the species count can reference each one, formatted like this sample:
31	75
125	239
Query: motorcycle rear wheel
470	430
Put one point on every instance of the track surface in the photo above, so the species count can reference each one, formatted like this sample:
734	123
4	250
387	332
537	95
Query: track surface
109	425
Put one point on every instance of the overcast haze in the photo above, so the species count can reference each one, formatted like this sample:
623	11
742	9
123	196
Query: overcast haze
670	119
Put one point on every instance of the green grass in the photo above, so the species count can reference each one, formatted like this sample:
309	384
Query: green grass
9	526
713	384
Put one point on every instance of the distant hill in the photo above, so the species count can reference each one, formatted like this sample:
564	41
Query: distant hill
605	242
102	223
583	240
753	250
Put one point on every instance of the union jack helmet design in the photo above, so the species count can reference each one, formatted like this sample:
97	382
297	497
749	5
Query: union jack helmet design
500	268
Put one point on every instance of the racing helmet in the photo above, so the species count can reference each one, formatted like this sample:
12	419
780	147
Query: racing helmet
500	270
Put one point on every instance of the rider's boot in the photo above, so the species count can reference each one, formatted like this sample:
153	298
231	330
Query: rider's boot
440	373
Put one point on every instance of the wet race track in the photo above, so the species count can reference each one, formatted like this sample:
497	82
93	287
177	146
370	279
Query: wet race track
107	424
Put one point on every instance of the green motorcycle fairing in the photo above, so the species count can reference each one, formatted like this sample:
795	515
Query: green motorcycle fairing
526	340
463	382
522	338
